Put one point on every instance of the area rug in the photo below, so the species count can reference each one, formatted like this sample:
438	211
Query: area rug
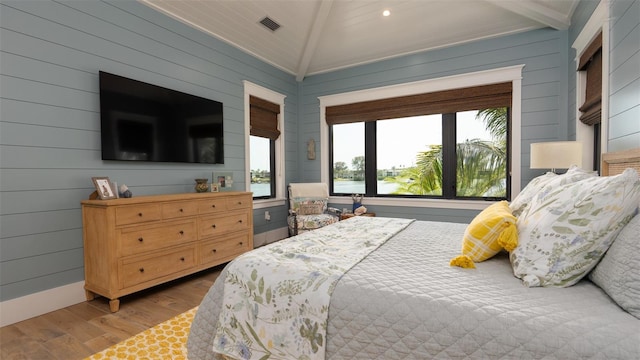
167	340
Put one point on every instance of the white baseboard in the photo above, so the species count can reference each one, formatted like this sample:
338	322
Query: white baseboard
26	307
270	236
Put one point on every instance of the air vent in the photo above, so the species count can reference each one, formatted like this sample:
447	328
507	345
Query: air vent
270	24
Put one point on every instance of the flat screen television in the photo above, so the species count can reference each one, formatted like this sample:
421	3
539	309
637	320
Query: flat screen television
145	122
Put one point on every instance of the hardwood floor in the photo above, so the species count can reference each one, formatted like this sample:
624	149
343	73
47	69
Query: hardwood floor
83	329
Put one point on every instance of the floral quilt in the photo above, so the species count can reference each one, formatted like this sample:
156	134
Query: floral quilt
276	298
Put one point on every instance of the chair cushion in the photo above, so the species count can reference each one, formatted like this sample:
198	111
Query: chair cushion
311	222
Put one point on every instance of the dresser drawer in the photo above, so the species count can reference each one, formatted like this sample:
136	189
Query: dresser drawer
179	209
141	239
137	214
218	251
212	206
222	224
140	269
239	202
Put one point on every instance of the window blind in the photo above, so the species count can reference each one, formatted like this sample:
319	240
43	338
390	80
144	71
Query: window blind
440	102
264	118
591	63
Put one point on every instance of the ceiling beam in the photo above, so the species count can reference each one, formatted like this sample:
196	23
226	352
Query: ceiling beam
536	12
314	36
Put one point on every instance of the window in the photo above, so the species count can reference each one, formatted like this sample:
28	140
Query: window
591	109
459	155
265	150
434	100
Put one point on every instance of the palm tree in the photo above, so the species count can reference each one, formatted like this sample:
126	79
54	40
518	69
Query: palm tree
480	169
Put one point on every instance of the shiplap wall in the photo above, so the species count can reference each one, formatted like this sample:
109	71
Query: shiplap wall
50	125
544	94
49	122
624	75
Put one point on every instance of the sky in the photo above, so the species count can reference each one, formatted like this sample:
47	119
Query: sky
401	140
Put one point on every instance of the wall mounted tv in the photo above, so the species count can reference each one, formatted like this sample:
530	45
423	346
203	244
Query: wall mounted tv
144	122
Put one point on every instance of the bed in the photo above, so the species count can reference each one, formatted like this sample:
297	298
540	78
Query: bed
396	296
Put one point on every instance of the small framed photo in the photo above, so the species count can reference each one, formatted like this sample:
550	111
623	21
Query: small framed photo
104	188
214	188
224	180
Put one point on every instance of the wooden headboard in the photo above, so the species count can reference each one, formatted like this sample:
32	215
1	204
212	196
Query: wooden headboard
614	163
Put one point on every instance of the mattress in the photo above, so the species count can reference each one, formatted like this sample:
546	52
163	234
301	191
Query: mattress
404	301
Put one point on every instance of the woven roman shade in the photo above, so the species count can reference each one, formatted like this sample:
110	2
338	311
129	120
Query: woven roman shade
440	102
591	63
264	118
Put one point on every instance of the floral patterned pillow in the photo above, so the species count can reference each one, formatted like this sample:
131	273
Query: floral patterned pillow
309	206
569	228
537	186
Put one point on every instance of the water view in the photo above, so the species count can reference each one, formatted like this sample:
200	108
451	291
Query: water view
341	187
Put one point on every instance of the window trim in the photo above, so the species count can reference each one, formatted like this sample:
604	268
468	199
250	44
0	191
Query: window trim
597	23
486	77
251	89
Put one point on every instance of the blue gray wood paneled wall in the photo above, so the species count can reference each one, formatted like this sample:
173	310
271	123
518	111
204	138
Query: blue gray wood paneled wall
50	125
544	92
49	122
624	70
624	75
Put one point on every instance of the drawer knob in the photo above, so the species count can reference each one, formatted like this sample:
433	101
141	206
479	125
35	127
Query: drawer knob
181	210
181	232
141	270
182	258
240	243
140	239
240	221
140	214
214	251
214	205
213	226
239	202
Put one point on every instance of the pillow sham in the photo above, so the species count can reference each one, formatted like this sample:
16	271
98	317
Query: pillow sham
618	274
309	204
538	185
489	232
310	209
568	229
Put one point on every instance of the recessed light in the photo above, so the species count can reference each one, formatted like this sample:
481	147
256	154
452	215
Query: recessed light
386	13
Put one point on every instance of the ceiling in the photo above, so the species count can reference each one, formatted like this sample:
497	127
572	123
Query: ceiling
317	36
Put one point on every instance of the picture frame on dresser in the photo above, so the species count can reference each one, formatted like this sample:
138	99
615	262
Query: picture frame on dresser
224	180
104	188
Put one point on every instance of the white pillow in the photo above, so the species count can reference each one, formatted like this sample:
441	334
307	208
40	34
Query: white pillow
537	186
618	274
569	228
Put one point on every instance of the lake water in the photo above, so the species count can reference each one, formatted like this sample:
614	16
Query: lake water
341	187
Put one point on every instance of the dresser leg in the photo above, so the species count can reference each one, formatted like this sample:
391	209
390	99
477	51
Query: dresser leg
89	295
114	305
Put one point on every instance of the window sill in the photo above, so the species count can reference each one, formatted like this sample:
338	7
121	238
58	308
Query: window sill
265	203
420	203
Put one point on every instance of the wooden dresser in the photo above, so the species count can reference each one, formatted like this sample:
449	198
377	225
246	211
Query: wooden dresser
133	244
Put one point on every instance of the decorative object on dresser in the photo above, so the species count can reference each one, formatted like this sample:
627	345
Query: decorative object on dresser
104	189
133	244
202	185
224	180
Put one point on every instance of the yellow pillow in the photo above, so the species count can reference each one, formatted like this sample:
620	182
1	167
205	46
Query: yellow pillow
492	230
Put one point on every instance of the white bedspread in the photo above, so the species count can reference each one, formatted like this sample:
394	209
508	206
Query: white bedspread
404	301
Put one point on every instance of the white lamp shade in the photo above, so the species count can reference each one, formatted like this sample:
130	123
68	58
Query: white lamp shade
556	155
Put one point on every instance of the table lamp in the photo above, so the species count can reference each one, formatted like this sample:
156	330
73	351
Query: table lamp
556	155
